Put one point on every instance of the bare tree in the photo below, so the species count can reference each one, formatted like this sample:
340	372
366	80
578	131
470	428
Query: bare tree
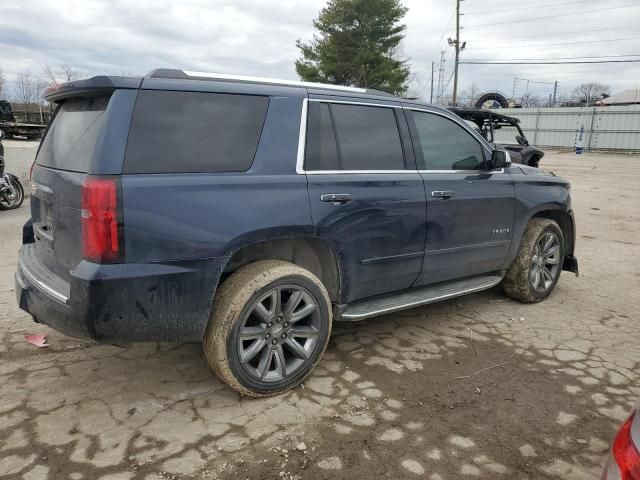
25	87
49	75
529	100
3	82
468	97
28	90
66	73
590	92
69	74
417	86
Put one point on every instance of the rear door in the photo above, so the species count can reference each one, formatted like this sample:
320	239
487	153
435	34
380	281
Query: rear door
367	198
470	209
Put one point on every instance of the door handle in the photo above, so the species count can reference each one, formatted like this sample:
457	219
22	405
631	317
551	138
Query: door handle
336	197
444	194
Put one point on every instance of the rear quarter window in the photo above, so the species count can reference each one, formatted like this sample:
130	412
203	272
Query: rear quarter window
71	138
194	132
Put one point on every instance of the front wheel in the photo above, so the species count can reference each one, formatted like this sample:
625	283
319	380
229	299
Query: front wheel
536	270
269	326
12	196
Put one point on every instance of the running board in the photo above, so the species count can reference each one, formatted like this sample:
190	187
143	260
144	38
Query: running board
416	297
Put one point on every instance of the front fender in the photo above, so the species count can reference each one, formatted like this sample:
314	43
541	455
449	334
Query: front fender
539	195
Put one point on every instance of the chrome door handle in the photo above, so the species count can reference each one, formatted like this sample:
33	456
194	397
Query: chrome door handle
443	194
336	197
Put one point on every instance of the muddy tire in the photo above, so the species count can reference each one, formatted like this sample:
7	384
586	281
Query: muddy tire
269	327
535	271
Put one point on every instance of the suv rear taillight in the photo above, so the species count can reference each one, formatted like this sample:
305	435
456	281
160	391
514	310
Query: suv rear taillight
101	240
625	457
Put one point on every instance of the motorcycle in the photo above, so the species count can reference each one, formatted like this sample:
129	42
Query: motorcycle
11	191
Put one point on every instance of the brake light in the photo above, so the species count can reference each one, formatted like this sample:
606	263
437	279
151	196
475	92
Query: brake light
625	453
52	88
33	165
100	240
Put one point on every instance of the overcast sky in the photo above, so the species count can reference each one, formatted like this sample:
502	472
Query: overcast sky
257	37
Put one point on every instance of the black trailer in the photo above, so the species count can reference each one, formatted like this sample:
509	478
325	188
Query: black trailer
22	124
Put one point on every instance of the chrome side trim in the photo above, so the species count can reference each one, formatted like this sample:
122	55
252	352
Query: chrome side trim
473	133
276	81
43	286
302	138
352	172
469	172
489	281
497	243
350	102
402	256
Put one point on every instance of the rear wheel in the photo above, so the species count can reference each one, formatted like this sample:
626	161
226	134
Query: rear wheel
536	270
269	326
12	197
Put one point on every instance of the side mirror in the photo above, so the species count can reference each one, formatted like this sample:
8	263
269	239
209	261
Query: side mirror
500	159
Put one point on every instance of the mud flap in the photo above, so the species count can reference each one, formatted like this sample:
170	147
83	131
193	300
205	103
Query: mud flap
571	265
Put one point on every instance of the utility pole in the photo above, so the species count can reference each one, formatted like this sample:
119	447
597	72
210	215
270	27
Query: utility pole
457	47
555	91
440	77
433	68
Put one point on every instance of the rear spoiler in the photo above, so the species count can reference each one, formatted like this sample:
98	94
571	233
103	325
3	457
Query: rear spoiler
91	87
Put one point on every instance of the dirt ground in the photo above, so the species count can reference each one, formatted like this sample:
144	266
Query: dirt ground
387	400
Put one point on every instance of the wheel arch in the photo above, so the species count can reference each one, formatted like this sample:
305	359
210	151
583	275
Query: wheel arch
308	252
565	221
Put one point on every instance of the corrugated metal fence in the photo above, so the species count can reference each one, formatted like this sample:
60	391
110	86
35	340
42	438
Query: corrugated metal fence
605	128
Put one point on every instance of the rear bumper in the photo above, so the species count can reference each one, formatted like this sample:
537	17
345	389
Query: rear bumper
121	302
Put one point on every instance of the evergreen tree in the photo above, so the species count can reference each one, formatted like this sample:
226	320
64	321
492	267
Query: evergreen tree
357	45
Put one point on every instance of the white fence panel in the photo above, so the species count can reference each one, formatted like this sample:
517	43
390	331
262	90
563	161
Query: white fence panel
605	128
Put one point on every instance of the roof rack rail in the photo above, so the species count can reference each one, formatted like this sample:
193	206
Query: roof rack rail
176	73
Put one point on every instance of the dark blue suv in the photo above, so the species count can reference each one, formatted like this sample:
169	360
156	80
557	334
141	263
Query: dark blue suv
249	213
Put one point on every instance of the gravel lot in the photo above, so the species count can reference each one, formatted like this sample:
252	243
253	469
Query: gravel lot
386	401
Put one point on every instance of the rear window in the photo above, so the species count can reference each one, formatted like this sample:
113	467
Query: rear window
189	132
69	143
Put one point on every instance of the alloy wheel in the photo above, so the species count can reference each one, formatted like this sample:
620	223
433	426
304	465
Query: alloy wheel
545	262
279	333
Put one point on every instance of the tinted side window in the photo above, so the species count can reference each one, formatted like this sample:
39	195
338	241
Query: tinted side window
194	132
322	149
446	145
368	137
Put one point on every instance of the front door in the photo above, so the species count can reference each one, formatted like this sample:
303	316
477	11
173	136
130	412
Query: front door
367	197
470	209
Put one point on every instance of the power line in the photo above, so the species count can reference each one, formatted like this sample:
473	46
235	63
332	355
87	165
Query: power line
556	58
520	20
555	44
559	34
446	29
474	62
528	8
